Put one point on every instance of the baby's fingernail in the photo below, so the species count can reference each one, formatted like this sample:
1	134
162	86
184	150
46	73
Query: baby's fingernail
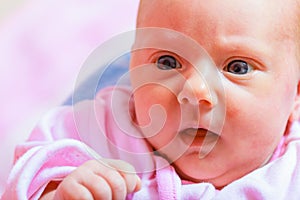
138	184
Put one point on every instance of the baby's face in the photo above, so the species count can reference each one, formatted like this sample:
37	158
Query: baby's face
241	91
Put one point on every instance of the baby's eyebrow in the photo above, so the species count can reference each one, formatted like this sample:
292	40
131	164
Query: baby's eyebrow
246	45
243	43
167	40
161	38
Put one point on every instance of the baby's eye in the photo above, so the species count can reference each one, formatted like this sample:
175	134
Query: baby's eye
238	67
167	62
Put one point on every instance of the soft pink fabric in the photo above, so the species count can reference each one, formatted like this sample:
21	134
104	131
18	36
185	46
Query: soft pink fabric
104	126
43	46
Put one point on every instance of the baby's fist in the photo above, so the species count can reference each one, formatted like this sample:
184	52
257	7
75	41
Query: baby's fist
99	179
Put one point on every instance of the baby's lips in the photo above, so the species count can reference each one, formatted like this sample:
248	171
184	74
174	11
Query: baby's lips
201	131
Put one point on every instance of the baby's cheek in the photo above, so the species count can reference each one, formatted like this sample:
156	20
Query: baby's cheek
142	104
235	106
142	115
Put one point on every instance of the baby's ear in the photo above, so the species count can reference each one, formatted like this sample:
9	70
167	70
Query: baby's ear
295	115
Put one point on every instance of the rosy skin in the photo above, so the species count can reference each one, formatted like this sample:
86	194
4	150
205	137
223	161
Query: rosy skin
258	38
104	179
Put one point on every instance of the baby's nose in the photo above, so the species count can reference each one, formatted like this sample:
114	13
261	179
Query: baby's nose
195	91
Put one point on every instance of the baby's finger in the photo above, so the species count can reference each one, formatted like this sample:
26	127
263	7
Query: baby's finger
127	171
98	186
111	180
70	188
84	183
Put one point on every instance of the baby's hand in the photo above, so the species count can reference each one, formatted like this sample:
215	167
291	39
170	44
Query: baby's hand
103	179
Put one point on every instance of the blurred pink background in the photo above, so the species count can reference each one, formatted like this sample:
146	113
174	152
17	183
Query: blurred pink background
43	44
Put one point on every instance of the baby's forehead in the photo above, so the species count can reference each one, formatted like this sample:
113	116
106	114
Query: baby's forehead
277	20
273	22
200	13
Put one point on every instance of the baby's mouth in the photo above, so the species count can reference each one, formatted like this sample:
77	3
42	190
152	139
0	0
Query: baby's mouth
199	139
193	132
197	132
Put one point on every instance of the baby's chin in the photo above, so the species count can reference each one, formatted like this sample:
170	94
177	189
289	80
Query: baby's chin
218	175
195	177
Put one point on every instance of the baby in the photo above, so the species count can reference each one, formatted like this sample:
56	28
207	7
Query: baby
212	113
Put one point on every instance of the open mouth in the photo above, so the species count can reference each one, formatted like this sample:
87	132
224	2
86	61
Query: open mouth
198	137
200	132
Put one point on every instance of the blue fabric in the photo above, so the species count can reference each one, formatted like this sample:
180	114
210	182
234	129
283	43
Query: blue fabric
106	76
